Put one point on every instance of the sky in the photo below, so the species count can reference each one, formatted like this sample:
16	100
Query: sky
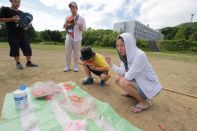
102	14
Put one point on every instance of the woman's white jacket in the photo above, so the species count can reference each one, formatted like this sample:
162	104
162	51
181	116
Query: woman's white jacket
139	68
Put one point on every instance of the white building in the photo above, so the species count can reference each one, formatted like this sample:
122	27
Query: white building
139	30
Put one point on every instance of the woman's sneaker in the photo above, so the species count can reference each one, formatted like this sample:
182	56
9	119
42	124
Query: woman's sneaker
19	66
88	81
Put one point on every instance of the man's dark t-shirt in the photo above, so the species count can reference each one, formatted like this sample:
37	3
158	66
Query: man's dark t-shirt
12	28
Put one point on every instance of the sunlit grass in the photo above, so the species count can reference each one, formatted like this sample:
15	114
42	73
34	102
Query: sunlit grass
174	56
189	57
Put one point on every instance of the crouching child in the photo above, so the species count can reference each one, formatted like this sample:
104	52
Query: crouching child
94	63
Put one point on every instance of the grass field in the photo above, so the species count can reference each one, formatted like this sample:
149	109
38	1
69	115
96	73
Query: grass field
189	56
177	72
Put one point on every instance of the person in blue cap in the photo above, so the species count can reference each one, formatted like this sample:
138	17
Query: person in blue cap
16	23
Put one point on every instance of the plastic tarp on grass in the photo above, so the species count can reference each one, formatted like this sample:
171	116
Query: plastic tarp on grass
50	115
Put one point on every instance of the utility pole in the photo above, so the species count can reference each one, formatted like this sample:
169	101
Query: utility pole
189	28
192	15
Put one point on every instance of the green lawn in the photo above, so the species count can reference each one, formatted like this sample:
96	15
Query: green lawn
189	57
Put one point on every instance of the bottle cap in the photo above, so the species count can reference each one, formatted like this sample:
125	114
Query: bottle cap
22	87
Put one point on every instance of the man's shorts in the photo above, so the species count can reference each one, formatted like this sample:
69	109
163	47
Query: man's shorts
16	44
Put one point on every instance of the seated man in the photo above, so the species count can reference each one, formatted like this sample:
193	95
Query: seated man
94	62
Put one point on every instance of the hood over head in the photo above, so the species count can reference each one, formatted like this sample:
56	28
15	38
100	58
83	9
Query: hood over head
130	46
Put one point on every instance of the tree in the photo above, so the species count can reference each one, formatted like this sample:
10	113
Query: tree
32	35
3	32
48	35
45	35
193	37
89	37
169	32
99	37
181	33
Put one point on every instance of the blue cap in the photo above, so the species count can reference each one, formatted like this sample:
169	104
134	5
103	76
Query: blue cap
22	87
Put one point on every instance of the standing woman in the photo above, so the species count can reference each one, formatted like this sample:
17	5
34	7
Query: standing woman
74	25
135	74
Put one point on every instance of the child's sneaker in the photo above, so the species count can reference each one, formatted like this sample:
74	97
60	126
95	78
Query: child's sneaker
102	83
88	81
19	66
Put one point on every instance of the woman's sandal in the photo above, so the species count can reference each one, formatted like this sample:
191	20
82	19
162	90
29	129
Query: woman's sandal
136	109
126	94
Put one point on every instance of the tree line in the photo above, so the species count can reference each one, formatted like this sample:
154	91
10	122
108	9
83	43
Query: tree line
100	37
36	36
179	38
186	31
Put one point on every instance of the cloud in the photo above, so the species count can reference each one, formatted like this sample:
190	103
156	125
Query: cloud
59	4
156	13
43	18
44	21
4	3
96	12
50	14
159	13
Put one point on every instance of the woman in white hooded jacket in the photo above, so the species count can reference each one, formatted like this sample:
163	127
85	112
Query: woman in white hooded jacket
135	74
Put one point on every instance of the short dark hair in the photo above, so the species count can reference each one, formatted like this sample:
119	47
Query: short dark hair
119	38
87	53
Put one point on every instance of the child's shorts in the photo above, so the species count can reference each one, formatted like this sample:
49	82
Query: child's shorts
98	73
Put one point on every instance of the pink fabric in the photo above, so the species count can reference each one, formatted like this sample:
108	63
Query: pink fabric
76	125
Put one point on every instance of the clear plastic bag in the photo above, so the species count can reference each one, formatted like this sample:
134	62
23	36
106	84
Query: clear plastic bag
83	106
41	89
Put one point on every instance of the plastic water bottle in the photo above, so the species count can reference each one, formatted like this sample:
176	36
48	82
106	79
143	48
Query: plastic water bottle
20	97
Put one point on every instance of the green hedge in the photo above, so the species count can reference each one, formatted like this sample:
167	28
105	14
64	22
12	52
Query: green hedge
193	46
177	45
170	45
143	45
